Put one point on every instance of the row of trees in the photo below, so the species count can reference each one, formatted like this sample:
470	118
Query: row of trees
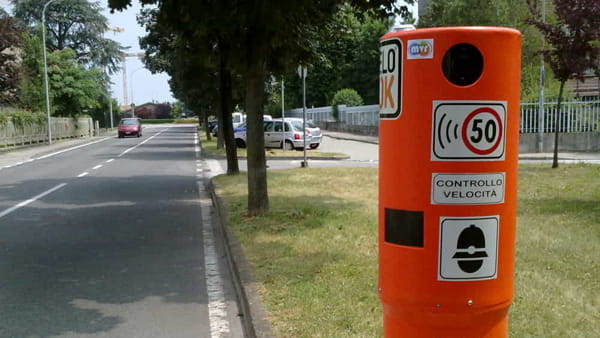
216	51
79	58
349	58
223	52
565	32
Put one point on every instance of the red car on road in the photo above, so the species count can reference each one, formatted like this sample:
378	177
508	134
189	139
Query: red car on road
130	127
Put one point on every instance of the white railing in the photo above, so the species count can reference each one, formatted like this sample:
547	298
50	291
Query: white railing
577	116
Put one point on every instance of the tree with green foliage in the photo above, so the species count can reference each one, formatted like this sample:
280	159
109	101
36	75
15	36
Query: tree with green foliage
573	45
10	41
442	13
348	97
73	89
348	57
195	62
508	13
258	37
75	24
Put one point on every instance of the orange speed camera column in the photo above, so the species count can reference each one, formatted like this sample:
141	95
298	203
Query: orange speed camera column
449	109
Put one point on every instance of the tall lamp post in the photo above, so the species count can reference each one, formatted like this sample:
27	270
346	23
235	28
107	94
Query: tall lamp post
109	94
46	70
282	114
302	71
542	80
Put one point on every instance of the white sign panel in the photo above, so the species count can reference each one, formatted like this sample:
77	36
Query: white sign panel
390	79
468	130
484	188
468	248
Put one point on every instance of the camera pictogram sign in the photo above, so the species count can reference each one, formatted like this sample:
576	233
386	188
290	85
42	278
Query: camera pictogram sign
468	130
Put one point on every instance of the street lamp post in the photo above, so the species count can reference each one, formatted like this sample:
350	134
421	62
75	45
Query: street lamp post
302	72
46	70
542	80
110	111
282	114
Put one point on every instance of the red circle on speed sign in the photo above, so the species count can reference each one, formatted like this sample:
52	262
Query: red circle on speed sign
487	131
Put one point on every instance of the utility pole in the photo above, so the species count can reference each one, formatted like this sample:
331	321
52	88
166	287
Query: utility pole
46	90
542	82
302	72
282	114
110	111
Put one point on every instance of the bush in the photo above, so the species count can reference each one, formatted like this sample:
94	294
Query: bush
347	96
21	118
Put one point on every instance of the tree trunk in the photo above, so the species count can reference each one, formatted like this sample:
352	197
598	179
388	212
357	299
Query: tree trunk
258	197
220	142
206	126
557	125
226	110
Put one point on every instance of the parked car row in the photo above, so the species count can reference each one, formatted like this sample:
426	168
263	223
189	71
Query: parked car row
238	121
284	133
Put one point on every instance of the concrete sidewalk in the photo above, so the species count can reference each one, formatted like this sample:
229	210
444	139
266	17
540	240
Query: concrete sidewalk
592	157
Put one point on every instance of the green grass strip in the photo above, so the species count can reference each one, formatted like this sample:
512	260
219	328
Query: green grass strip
315	254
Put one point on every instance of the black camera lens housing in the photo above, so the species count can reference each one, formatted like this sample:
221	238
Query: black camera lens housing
462	64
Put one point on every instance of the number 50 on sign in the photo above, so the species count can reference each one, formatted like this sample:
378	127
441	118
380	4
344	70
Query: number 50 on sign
467	130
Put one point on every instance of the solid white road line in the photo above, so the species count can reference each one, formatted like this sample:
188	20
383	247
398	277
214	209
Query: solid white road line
33	199
72	148
52	154
217	306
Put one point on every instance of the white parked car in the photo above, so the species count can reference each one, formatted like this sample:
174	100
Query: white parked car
286	133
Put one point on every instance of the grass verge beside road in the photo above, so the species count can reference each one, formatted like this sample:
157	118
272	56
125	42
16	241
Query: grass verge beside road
315	255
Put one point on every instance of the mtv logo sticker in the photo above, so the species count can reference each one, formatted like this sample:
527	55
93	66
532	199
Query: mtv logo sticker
420	49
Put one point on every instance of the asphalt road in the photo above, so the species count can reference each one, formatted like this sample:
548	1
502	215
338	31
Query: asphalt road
113	239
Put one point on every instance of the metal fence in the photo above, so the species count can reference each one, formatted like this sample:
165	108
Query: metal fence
576	116
360	116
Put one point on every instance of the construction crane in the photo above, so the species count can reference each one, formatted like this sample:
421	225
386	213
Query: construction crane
124	56
124	67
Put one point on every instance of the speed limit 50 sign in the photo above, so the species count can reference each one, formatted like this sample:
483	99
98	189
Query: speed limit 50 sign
468	130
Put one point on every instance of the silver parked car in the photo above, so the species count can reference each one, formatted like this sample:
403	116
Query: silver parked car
286	133
293	134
